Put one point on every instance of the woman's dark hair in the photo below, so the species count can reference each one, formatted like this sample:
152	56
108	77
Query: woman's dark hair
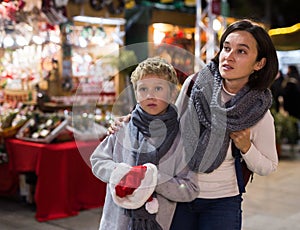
264	77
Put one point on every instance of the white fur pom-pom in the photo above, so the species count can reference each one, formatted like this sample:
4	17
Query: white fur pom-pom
152	206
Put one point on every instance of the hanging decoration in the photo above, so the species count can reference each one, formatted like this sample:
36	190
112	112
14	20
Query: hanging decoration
10	10
118	35
60	3
97	4
79	1
55	12
115	9
109	4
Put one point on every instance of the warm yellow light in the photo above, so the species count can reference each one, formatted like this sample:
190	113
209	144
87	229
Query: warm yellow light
158	36
163	27
159	31
285	30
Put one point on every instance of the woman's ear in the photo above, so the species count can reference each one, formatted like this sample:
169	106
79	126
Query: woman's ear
260	64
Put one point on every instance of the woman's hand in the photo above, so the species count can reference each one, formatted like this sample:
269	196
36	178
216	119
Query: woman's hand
117	124
241	139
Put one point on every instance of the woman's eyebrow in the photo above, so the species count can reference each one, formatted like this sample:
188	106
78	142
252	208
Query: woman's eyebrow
242	44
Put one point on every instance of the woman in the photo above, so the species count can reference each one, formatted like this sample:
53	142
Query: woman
229	103
231	98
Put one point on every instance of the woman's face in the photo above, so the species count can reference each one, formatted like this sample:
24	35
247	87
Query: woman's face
237	60
153	94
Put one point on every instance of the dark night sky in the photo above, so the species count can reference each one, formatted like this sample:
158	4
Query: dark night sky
279	13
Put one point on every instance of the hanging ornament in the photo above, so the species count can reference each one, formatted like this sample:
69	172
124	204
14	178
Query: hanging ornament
118	35
60	3
79	1
115	9
97	4
32	5
100	4
55	15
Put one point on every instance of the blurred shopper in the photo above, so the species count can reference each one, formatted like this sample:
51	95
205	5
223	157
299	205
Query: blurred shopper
276	89
291	92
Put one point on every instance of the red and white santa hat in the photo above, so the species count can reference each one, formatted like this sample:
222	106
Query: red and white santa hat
141	194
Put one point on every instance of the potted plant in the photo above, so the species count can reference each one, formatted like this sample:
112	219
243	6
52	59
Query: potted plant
286	128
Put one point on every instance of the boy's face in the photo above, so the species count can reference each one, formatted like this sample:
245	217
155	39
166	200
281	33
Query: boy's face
153	94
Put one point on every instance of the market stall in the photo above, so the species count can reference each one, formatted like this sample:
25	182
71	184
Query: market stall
59	79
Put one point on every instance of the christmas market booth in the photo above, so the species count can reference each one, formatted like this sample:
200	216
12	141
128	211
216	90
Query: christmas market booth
59	80
64	77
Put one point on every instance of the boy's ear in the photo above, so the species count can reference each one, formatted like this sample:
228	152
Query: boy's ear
174	94
136	97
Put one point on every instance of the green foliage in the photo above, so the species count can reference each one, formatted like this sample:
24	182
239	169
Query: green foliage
126	61
286	128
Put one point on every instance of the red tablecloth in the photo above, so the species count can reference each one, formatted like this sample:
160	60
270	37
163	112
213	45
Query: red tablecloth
65	182
8	181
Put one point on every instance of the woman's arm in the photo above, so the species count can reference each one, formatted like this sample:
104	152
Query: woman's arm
118	121
262	156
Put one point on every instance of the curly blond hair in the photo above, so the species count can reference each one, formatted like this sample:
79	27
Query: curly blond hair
155	66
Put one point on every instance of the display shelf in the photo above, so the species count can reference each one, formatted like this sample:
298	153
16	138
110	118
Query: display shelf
38	130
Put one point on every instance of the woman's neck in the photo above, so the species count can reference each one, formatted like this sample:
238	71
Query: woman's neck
232	86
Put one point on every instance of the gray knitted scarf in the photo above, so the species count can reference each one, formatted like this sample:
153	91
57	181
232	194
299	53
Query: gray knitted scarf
151	137
160	129
215	120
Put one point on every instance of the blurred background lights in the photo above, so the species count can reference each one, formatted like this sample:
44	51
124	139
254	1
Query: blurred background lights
82	42
21	41
38	40
216	25
160	30
158	36
8	41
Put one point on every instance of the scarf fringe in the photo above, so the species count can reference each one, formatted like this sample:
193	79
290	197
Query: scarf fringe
144	224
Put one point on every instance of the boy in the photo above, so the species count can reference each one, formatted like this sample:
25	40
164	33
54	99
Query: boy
144	162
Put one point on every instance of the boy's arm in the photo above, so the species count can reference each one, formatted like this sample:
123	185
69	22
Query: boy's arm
176	181
182	187
102	160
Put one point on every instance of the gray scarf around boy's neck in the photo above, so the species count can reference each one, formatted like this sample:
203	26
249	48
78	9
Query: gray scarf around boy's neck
151	138
216	121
